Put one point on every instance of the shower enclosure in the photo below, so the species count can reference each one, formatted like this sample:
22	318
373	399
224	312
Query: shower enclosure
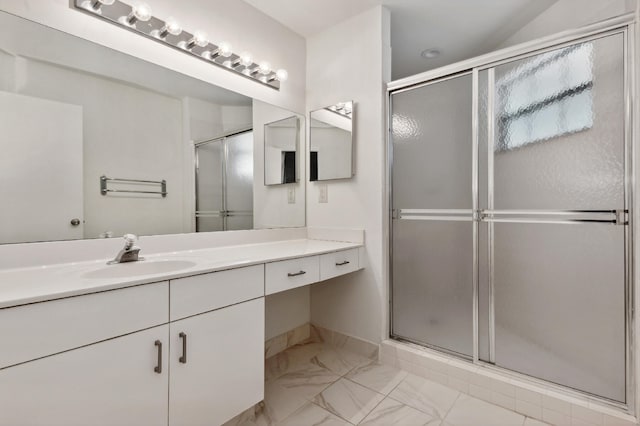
224	183
511	195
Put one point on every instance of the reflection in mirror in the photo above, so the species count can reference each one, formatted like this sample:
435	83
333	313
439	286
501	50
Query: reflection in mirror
331	141
281	151
224	183
72	111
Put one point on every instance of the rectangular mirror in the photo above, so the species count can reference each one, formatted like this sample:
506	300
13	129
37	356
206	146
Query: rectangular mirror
281	146
331	142
97	143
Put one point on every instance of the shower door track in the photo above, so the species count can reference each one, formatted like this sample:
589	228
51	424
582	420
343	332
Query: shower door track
625	25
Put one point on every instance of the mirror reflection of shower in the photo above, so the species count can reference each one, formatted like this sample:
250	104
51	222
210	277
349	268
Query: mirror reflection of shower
224	183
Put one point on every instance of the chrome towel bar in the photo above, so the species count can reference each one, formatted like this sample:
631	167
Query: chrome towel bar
104	190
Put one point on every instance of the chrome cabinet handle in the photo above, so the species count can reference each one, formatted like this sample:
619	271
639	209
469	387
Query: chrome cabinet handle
158	368
296	274
183	358
346	262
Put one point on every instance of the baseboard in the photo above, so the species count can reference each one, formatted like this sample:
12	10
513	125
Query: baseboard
284	341
339	340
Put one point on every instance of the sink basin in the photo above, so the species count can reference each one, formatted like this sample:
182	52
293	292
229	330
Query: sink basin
141	267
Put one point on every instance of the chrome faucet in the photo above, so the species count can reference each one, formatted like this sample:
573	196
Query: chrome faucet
129	252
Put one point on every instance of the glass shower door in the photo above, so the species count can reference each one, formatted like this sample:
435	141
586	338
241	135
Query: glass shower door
432	242
239	181
556	215
224	183
209	186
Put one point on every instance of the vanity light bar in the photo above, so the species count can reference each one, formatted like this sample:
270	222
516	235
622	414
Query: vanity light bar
343	108
138	18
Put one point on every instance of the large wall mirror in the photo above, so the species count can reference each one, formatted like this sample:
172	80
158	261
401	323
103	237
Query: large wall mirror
331	142
96	143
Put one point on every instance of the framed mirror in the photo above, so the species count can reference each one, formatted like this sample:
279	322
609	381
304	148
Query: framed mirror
281	151
97	143
331	142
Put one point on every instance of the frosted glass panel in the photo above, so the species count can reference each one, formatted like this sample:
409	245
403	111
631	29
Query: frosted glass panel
209	224
559	129
432	283
559	297
209	177
431	131
240	172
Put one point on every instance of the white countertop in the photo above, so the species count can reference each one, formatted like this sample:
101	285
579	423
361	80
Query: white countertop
35	284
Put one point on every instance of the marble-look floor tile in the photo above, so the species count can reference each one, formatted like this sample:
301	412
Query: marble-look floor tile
424	395
378	377
311	414
306	382
338	361
279	403
251	417
533	422
391	412
348	400
468	410
293	359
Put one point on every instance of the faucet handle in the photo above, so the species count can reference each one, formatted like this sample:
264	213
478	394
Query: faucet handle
130	240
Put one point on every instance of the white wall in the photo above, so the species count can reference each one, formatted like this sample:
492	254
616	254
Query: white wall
274	210
351	61
569	14
243	26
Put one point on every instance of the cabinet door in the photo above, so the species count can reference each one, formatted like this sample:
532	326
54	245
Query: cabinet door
109	383
222	372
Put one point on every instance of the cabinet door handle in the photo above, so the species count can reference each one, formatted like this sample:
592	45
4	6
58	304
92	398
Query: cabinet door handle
346	262
183	358
158	368
296	274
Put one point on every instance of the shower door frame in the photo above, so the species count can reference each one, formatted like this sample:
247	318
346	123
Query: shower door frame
625	25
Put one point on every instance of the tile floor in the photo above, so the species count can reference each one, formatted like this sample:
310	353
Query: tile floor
318	384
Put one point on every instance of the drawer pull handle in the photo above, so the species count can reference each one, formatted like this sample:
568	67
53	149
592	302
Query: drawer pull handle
183	358
296	274
346	262
158	368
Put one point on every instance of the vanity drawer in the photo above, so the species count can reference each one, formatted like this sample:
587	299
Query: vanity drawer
288	274
338	263
40	329
206	292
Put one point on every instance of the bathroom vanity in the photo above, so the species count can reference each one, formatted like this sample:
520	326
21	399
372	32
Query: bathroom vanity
175	339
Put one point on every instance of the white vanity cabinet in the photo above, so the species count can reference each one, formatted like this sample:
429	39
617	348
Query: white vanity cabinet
216	364
217	345
183	352
115	382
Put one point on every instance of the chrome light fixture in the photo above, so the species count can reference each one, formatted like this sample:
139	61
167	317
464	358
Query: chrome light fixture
138	17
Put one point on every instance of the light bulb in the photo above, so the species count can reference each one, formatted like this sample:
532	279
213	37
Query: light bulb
95	5
246	59
264	67
199	39
224	49
139	12
282	74
171	26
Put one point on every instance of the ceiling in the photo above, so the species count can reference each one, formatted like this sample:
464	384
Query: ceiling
459	29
